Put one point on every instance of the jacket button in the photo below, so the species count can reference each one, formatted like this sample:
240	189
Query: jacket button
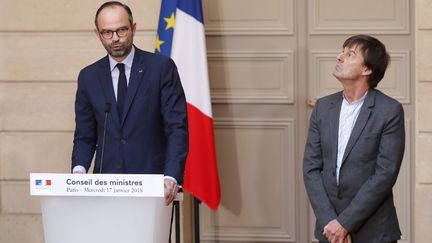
119	166
123	141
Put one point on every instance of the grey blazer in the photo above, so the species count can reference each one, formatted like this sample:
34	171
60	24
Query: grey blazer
363	200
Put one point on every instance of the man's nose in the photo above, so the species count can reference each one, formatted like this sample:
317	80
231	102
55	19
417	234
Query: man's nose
340	56
115	36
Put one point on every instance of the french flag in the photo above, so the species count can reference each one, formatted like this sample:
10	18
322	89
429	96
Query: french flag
42	182
181	36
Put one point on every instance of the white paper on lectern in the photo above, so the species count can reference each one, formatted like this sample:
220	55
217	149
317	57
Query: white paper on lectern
117	185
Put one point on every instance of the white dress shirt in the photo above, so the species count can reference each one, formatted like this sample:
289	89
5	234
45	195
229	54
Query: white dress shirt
347	119
115	72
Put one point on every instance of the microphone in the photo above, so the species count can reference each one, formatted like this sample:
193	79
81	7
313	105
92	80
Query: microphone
107	109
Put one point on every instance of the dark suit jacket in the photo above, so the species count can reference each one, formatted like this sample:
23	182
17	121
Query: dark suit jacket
152	135
363	200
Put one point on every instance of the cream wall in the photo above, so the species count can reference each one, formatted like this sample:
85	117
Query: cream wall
423	182
43	45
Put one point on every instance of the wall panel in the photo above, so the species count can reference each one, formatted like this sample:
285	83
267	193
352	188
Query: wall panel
67	16
241	77
49	57
22	153
20	228
15	198
351	17
249	17
37	106
257	163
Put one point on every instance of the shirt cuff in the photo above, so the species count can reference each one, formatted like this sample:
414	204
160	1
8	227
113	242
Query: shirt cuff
171	179
79	169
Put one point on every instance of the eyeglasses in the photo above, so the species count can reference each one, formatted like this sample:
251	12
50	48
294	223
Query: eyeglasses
108	34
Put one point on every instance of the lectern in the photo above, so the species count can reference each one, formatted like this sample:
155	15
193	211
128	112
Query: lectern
102	208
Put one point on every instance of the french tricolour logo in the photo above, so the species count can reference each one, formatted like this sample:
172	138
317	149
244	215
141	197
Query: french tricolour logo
43	182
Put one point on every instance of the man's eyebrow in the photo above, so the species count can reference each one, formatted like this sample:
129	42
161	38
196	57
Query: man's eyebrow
352	51
115	29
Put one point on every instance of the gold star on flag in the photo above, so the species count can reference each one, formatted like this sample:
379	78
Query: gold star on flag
159	42
170	21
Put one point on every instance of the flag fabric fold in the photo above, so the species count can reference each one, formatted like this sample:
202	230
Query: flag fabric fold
181	36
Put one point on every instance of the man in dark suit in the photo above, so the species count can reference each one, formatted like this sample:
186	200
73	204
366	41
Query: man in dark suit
354	151
141	95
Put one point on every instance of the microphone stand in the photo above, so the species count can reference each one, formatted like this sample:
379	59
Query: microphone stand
107	109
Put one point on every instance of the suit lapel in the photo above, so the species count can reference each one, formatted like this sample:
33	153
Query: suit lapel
107	87
334	113
135	80
362	119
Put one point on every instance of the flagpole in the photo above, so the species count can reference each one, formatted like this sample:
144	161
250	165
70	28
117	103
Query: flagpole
177	222
196	203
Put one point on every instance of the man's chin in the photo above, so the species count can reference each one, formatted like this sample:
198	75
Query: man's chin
335	74
120	53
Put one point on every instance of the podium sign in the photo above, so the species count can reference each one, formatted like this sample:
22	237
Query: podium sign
105	208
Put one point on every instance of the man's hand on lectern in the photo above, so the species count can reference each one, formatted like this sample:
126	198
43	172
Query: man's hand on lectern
170	191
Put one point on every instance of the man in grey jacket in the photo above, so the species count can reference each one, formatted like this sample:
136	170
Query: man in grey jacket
354	151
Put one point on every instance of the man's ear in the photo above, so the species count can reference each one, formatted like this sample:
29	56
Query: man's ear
366	71
97	33
133	29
